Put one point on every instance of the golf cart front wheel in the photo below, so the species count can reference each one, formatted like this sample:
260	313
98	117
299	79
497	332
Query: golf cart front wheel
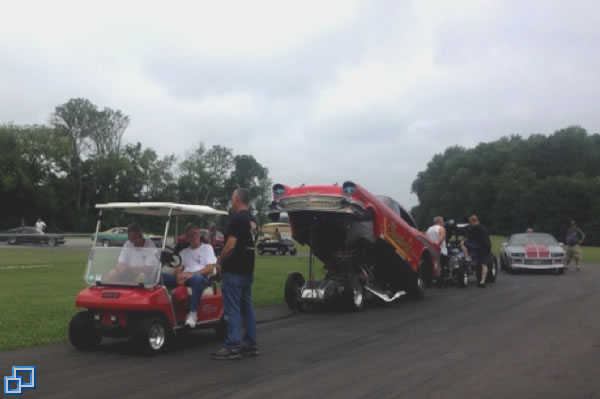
82	334
151	335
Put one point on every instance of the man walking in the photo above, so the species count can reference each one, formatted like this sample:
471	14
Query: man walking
575	236
236	263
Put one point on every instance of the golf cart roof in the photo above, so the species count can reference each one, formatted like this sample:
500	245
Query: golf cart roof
160	208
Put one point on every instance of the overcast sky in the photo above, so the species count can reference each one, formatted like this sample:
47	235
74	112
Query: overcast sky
318	91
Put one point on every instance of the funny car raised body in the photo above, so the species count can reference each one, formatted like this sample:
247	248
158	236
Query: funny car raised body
370	246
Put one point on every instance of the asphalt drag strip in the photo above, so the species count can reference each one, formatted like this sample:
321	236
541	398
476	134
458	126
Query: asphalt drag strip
529	335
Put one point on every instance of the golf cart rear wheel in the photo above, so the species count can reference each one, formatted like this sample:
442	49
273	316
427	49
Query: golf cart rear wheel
292	289
221	329
151	335
82	334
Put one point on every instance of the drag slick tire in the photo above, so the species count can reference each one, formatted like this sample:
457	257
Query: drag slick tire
82	333
293	286
151	335
416	290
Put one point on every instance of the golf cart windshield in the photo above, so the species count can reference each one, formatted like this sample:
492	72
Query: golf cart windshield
131	265
123	266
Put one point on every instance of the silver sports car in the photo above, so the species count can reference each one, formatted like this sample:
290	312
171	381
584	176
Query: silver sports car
532	251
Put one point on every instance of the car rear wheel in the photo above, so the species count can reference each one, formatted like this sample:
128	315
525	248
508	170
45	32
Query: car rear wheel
52	242
151	335
82	333
261	251
293	251
106	243
492	271
12	240
561	270
416	290
292	290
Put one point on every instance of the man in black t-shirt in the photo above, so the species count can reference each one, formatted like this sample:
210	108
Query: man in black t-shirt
236	263
478	246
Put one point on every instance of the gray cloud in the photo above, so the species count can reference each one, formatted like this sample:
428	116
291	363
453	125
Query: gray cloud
319	92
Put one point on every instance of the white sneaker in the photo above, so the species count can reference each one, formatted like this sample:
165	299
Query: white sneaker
191	320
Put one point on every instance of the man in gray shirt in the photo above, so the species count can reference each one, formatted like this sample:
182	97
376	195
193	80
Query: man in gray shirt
575	236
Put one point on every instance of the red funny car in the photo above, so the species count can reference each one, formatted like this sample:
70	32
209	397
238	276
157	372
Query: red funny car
136	304
370	246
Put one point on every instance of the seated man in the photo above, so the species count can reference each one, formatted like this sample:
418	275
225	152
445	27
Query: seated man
197	262
137	261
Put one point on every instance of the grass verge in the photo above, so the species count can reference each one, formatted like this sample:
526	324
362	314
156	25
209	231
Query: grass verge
38	288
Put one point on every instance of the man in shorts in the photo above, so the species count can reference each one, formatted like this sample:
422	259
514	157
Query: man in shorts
478	246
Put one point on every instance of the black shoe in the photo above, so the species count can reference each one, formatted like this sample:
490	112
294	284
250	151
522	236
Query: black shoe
481	285
227	354
250	351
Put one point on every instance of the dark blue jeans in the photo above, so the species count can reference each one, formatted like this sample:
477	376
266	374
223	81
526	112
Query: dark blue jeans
237	300
198	283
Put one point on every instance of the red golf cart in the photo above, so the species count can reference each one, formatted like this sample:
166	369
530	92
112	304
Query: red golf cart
136	304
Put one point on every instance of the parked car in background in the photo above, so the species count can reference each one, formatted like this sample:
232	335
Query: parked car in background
539	251
117	236
30	235
276	238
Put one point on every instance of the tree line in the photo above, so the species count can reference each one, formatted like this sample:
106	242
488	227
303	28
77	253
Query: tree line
541	182
59	171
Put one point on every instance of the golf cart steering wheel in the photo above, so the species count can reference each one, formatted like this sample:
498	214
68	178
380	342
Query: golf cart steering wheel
168	257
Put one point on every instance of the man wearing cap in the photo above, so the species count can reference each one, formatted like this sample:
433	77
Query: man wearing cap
197	262
575	236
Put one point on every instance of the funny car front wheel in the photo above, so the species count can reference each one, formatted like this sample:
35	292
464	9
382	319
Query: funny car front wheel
353	295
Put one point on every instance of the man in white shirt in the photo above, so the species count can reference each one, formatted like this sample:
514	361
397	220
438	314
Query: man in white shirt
197	262
40	225
138	260
437	234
